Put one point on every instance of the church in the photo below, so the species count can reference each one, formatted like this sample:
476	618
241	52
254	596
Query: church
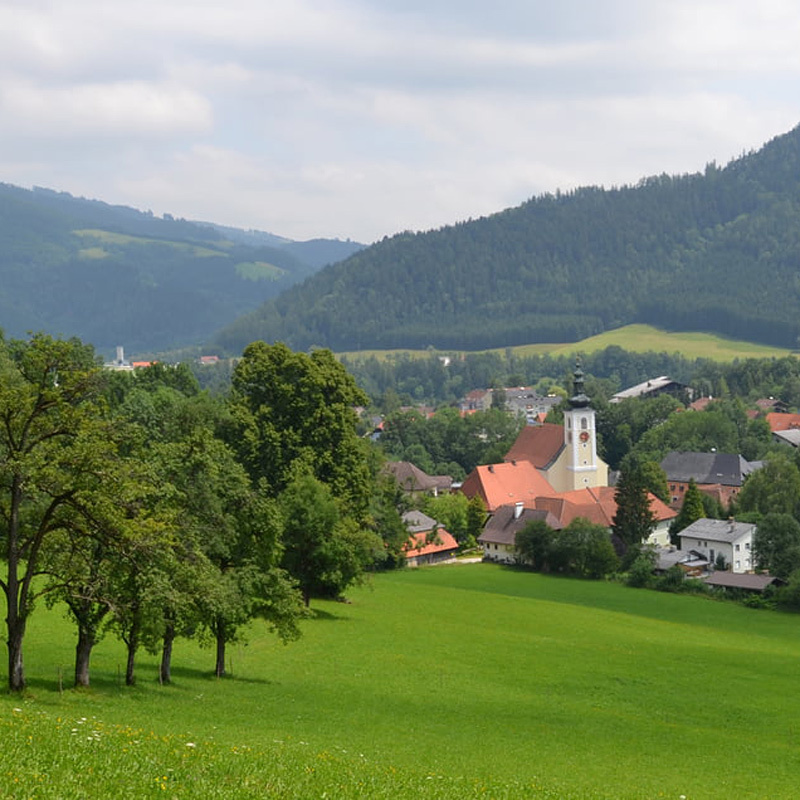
551	470
566	455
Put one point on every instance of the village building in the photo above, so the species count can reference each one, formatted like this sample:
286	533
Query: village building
553	470
719	539
428	543
654	387
566	455
720	475
498	538
414	481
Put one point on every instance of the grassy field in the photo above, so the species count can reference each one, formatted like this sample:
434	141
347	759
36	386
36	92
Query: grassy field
635	338
447	682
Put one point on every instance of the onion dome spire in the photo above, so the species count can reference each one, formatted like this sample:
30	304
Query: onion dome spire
579	398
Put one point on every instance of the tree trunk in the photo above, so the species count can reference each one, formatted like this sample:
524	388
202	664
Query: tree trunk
165	672
133	646
83	652
219	670
16	670
15	621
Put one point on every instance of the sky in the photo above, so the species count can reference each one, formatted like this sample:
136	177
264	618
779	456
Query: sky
362	118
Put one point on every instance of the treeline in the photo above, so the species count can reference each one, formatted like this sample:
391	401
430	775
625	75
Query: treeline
405	380
565	266
154	511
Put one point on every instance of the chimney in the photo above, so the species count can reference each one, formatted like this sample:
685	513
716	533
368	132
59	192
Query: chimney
491	467
518	509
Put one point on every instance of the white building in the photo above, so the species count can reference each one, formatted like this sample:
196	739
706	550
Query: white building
728	538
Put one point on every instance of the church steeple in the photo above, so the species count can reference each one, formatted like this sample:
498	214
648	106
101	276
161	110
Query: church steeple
583	467
579	398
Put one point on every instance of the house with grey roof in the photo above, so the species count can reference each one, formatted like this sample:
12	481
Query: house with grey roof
720	475
720	537
499	535
652	388
414	481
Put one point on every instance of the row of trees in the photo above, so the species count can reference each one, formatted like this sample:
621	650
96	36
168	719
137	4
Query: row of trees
154	511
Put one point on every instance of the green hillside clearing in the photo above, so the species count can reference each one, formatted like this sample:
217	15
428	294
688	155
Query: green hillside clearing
109	237
634	338
448	682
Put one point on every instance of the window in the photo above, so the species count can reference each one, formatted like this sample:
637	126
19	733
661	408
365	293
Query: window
672	487
747	545
738	565
737	548
584	423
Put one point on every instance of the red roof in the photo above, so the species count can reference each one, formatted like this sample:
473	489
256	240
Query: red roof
539	444
596	504
782	422
443	541
511	482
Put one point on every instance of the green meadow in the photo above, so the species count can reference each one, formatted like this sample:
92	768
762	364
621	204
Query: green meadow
470	680
634	338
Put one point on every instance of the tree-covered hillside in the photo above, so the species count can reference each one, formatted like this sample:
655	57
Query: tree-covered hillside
717	251
114	275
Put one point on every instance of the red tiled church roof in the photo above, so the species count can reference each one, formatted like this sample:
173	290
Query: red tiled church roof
539	444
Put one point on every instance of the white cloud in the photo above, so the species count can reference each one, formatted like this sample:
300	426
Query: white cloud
357	118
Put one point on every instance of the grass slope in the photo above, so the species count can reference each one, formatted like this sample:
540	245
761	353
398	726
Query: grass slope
634	338
464	681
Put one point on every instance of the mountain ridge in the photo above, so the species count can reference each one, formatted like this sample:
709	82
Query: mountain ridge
113	275
681	252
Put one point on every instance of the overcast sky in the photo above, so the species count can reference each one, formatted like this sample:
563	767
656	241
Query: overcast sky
361	118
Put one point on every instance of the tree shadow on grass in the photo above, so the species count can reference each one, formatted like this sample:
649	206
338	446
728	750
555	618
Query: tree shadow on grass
318	614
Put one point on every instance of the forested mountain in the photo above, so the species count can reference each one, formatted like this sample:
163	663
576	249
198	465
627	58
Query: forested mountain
114	275
717	251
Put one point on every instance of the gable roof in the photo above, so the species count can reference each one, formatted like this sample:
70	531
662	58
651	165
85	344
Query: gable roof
706	468
539	444
418	545
509	482
718	530
596	504
503	525
741	580
412	479
417	522
654	386
782	422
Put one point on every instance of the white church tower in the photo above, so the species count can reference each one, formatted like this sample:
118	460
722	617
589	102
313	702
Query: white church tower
583	468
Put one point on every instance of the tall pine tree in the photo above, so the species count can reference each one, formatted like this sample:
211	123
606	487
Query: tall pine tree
634	520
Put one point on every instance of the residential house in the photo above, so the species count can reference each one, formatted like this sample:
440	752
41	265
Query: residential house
718	537
779	421
652	388
599	505
428	543
499	535
525	401
720	475
413	480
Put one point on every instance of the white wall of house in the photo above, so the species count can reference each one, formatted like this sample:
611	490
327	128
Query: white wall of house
504	553
660	534
738	554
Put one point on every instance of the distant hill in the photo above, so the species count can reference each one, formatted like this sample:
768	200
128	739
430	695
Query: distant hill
114	275
716	251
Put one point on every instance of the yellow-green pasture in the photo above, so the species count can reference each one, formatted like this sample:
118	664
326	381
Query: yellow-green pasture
461	681
635	338
112	238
